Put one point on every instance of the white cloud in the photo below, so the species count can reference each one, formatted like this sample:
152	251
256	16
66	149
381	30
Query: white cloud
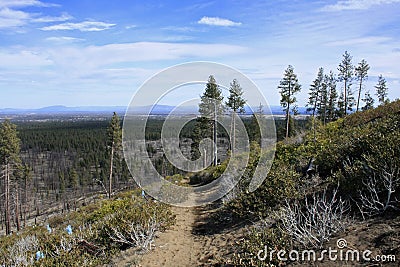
12	18
63	39
128	27
24	3
371	40
215	21
85	26
24	59
176	38
63	17
356	4
198	6
83	71
180	29
96	56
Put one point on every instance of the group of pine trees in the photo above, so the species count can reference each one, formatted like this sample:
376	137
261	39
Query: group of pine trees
211	106
325	103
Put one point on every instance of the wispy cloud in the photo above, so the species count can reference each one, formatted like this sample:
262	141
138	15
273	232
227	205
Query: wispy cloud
25	3
371	40
46	19
83	70
24	59
216	21
12	18
96	57
356	4
63	39
85	26
128	27
175	38
198	6
141	51
179	28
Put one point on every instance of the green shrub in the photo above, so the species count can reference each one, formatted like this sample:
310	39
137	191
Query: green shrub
281	183
259	243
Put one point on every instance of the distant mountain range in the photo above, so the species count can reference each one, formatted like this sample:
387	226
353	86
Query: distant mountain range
156	110
59	109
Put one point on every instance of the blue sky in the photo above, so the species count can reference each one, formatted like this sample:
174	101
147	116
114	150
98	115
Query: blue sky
81	52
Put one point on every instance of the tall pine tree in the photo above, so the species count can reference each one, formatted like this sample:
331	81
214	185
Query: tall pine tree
332	96
382	90
323	99
211	106
315	92
345	75
361	75
236	104
288	87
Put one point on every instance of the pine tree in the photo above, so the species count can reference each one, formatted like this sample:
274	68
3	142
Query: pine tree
382	90
346	76
114	134
211	107
323	100
315	92
369	102
318	99
236	104
361	75
315	96
332	96
288	87
10	160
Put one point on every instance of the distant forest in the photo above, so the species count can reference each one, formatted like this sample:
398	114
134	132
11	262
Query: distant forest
68	160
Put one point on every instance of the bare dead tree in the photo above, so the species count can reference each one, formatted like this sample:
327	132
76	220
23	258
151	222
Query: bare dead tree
315	221
136	235
102	185
379	188
7	200
22	253
17	207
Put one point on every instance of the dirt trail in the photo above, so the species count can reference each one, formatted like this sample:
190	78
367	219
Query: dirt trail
192	241
176	246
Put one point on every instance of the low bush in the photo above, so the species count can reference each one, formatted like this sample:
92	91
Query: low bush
312	222
280	184
254	249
